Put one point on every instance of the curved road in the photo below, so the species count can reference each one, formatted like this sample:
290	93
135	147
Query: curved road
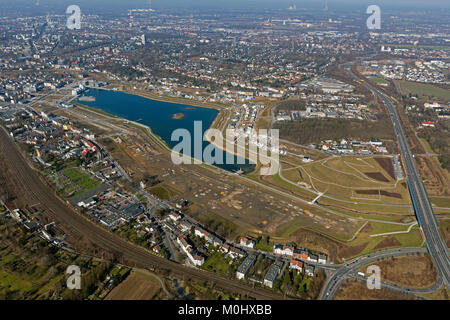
422	206
351	268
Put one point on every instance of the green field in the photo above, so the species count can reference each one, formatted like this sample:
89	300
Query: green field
163	192
424	90
410	239
419	46
82	179
440	202
426	145
218	264
378	80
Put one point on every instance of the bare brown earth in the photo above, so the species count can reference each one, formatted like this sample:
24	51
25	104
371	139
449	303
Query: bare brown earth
386	164
415	271
376	176
388	242
436	179
135	287
335	250
356	290
414	144
367	228
382	192
351	251
444	229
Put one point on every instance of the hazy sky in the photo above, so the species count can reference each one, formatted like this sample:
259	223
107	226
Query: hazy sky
408	5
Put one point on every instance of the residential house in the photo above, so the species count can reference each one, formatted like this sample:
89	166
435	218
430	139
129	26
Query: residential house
283	250
157	249
245	266
225	247
174	216
323	258
245	242
272	274
296	264
309	270
300	255
185	226
235	253
313	258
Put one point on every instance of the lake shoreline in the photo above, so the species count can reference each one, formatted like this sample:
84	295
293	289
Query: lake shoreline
221	112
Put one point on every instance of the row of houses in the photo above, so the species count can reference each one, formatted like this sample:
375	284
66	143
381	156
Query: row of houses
194	256
304	255
345	147
226	248
185	225
299	266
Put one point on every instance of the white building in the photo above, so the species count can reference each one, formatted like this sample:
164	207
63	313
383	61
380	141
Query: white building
245	242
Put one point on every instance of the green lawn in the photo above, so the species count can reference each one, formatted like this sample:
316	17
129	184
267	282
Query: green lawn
440	202
217	263
378	80
82	179
264	246
426	145
162	192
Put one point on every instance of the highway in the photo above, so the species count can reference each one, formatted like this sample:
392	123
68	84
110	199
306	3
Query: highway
33	190
419	197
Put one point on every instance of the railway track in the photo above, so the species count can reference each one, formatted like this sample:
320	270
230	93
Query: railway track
34	190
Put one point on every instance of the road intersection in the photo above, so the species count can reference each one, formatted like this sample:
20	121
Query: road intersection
422	207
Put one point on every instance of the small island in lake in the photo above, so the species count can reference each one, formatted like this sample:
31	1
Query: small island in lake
87	98
178	116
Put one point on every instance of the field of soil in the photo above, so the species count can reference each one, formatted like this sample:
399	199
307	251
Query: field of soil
376	176
340	177
335	250
387	242
356	290
444	229
312	130
386	164
415	271
436	179
135	287
382	192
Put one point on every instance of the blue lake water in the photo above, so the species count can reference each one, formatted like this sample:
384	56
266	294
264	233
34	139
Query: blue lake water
158	115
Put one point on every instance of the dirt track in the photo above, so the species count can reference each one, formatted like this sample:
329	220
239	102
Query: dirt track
32	190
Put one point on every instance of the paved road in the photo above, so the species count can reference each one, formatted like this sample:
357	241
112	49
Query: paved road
424	212
392	287
346	271
422	206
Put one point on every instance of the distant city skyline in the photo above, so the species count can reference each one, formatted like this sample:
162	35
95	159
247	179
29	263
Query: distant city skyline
231	4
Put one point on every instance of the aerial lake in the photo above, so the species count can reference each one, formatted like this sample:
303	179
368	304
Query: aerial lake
162	117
